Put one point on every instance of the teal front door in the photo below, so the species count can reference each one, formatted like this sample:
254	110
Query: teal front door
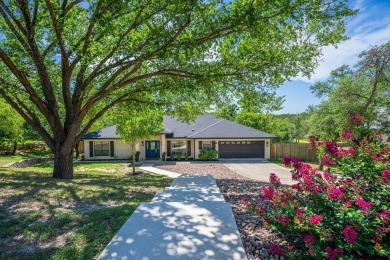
152	149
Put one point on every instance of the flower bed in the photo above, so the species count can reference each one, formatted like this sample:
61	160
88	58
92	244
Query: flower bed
333	216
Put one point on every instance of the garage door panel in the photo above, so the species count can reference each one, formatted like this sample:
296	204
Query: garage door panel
241	149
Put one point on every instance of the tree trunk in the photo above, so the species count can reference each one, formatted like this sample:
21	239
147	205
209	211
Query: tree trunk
321	166
14	148
63	165
133	148
76	148
133	163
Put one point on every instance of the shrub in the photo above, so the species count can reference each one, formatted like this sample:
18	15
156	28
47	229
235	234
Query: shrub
208	155
335	216
186	156
178	156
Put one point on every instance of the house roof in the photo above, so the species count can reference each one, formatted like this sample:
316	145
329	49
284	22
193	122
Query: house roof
210	126
204	127
105	133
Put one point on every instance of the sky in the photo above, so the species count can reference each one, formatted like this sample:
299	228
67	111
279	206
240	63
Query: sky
371	26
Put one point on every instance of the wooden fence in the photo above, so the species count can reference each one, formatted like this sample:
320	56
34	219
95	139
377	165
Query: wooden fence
301	151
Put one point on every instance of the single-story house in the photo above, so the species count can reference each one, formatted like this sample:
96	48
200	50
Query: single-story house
230	139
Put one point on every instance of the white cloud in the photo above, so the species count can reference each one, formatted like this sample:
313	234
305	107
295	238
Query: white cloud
370	27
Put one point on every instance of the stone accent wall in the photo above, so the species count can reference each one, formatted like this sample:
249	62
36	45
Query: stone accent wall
28	162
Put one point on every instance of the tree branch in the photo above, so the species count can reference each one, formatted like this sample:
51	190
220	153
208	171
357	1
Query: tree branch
31	120
66	73
26	84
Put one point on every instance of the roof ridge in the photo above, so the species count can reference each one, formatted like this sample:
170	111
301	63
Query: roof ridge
207	127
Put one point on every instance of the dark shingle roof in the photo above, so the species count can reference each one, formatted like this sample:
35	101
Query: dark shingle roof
209	126
205	126
105	133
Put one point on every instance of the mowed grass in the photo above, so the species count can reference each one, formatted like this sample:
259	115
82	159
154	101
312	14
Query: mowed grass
6	159
44	218
10	159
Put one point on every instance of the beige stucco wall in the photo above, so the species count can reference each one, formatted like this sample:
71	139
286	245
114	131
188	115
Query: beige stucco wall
267	150
121	150
191	155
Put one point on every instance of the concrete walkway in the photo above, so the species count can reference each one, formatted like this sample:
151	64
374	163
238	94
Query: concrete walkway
259	170
189	220
150	168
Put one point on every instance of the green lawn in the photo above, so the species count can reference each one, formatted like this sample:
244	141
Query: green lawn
6	159
9	159
43	218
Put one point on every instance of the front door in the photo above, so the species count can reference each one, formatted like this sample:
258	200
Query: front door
152	149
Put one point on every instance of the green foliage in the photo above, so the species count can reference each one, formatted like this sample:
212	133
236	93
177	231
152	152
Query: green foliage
299	127
208	155
285	127
134	125
255	120
11	126
186	156
363	88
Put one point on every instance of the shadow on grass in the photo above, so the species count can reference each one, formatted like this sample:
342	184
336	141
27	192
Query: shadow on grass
42	218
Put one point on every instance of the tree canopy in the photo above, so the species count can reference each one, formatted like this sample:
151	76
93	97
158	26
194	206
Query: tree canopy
63	64
362	88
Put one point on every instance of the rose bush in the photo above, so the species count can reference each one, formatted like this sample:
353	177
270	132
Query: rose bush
334	217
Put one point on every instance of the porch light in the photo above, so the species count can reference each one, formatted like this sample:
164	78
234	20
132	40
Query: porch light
266	144
142	143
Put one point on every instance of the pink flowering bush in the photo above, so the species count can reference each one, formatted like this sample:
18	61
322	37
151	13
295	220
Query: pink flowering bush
334	217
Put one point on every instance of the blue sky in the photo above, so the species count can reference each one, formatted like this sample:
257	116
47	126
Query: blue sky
371	26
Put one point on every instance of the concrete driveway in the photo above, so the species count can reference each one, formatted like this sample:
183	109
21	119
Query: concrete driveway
258	169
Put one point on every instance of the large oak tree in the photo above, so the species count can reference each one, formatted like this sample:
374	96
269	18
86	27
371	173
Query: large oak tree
64	63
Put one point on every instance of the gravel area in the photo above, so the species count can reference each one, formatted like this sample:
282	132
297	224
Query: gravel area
254	235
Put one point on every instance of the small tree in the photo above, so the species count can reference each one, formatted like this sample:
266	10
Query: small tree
132	126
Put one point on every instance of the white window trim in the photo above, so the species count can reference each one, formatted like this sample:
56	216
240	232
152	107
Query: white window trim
209	145
94	149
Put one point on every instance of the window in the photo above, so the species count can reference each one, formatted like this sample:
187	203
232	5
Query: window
102	148
179	147
206	145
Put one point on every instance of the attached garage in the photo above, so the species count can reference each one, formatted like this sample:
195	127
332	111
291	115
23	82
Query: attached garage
241	149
